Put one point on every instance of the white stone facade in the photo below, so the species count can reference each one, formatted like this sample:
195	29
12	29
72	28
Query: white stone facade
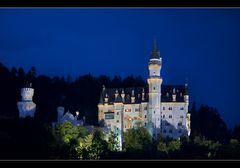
26	107
163	110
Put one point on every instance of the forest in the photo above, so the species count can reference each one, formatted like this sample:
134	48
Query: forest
36	138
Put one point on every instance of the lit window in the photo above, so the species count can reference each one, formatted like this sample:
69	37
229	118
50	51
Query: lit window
127	110
170	116
109	115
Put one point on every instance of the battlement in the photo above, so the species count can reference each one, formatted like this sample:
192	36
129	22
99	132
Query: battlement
27	94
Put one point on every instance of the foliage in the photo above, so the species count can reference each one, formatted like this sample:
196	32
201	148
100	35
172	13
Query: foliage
67	137
84	147
168	146
230	150
113	143
208	147
137	139
92	146
207	121
236	132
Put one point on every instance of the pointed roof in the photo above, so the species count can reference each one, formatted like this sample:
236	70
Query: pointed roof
155	54
102	94
166	94
186	86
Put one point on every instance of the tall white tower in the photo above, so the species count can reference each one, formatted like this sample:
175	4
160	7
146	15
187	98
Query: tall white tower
26	107
154	84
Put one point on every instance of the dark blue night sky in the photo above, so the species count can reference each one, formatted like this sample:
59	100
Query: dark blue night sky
201	44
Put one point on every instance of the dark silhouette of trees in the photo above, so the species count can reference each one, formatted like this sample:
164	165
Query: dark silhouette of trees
35	138
80	94
236	132
206	121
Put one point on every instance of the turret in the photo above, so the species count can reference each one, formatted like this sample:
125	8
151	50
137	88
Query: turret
102	95
174	95
26	107
116	94
154	93
132	97
186	97
143	94
60	112
106	98
123	95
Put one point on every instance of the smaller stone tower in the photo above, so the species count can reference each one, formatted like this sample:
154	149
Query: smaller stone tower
26	107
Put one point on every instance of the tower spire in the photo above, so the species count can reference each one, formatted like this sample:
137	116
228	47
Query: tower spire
186	86
154	44
155	52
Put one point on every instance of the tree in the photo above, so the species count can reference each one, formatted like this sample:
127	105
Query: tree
113	143
137	139
207	122
116	82
67	137
99	145
162	147
206	148
31	75
236	132
92	146
230	150
83	149
174	145
166	147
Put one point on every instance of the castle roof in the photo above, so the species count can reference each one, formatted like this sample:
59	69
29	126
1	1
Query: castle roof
114	95
155	54
168	91
128	93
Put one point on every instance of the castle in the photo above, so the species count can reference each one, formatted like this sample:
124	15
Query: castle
162	109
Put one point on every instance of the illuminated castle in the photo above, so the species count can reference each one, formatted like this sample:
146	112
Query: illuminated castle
162	109
26	107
